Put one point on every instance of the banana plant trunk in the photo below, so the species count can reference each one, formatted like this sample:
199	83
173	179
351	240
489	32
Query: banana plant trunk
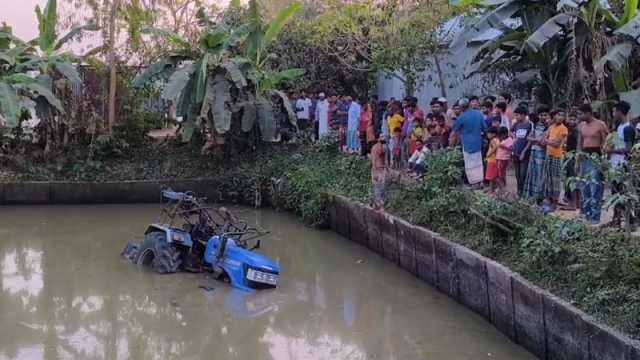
112	66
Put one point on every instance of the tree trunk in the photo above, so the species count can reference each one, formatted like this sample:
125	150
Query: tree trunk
573	67
112	66
443	86
409	85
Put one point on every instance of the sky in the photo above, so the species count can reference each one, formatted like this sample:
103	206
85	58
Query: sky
20	15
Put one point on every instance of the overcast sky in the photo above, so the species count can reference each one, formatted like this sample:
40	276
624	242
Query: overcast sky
20	15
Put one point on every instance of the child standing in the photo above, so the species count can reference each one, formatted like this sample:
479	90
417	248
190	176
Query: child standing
492	166
503	155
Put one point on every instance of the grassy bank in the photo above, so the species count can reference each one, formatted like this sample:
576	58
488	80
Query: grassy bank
598	271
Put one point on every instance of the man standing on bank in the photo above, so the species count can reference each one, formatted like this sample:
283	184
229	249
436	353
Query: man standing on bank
591	140
469	127
379	172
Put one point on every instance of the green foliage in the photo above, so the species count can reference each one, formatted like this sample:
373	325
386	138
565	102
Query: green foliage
229	76
17	90
568	43
87	170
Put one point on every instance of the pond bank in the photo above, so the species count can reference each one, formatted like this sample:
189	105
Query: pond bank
542	323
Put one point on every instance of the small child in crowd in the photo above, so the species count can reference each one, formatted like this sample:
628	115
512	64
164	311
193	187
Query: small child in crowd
416	134
395	144
503	155
492	166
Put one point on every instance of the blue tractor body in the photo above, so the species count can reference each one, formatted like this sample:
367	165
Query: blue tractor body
245	269
206	239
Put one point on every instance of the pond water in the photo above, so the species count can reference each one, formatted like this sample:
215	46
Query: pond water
65	293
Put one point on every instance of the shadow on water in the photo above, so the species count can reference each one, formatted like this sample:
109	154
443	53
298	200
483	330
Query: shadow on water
66	294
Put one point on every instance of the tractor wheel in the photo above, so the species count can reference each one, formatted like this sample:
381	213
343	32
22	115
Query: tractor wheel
163	257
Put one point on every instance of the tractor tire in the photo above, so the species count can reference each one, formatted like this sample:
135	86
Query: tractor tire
163	257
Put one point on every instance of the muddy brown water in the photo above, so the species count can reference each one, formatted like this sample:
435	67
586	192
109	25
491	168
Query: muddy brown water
65	293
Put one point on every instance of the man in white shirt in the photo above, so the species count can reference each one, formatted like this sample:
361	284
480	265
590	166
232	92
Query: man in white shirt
303	107
322	115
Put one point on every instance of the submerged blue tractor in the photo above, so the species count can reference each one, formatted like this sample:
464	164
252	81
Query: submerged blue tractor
189	236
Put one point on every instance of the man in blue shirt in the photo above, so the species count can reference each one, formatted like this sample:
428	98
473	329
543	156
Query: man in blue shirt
470	126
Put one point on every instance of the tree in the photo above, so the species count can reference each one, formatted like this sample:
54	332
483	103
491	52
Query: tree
226	76
394	38
566	43
111	117
44	55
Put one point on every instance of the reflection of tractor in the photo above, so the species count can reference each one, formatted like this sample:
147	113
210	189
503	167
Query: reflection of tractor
190	236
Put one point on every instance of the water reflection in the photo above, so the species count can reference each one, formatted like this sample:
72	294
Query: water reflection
67	295
22	275
324	347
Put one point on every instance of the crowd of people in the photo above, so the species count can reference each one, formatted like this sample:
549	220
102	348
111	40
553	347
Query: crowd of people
494	136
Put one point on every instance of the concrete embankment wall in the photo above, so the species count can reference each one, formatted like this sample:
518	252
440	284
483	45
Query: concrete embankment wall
122	192
545	325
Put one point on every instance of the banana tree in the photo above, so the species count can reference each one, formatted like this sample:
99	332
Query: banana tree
48	53
260	37
223	77
573	34
19	92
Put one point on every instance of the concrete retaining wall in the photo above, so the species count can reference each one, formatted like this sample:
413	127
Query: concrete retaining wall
101	193
545	325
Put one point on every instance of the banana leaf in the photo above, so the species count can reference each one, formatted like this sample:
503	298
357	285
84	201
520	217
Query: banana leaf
277	24
272	80
235	74
9	104
47	22
212	41
68	70
633	98
39	90
249	113
572	4
219	109
76	31
493	20
201	77
256	29
185	104
267	120
631	28
6	57
547	31
616	56
155	70
630	10
177	82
